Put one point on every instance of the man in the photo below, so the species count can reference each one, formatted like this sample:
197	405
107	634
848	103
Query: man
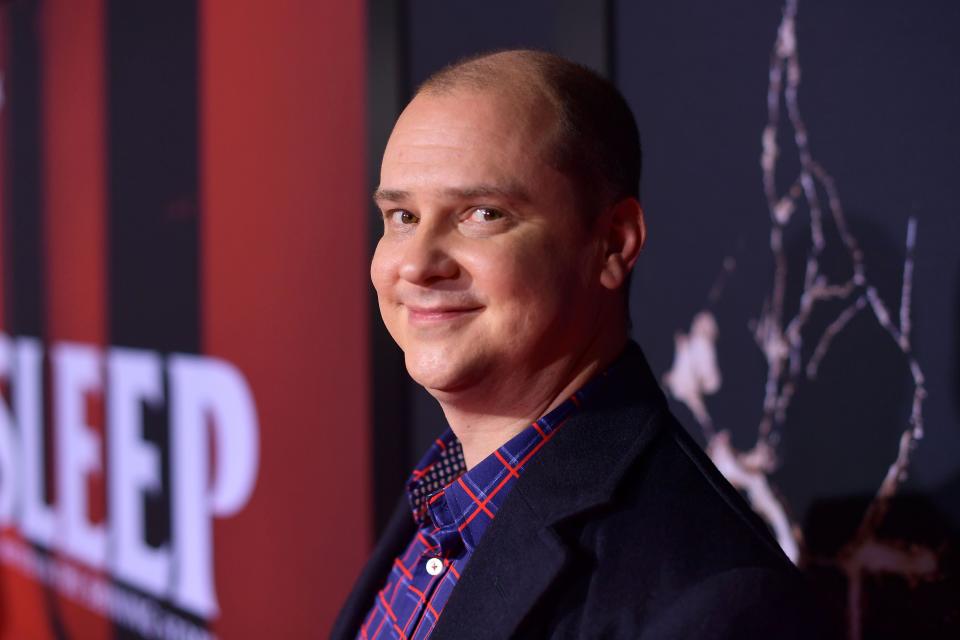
565	500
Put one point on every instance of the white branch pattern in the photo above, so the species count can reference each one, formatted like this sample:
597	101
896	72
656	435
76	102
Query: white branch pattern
695	373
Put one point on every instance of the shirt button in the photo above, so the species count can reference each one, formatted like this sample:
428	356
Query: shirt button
434	566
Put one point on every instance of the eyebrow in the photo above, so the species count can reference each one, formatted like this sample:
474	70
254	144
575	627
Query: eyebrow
510	192
392	195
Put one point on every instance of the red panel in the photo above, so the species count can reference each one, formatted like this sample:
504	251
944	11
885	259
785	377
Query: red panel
22	609
74	182
285	280
73	130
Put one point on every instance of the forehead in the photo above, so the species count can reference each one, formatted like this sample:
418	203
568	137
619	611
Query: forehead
458	138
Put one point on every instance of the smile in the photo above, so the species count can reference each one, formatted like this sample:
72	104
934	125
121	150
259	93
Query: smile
436	315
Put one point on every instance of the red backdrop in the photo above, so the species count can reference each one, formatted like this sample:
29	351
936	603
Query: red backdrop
284	268
280	221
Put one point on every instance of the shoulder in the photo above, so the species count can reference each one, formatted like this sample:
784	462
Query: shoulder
673	513
741	602
653	536
676	552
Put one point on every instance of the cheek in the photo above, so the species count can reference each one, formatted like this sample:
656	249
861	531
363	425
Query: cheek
521	284
381	267
382	275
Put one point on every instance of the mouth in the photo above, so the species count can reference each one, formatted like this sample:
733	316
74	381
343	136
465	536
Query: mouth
436	315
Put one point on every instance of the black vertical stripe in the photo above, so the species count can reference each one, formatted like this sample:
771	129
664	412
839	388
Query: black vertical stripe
24	223
6	205
610	40
583	33
153	218
388	90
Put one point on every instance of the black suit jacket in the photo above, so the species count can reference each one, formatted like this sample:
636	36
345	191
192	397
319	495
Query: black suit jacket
620	527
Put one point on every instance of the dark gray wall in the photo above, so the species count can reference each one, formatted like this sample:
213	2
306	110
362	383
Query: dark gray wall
879	94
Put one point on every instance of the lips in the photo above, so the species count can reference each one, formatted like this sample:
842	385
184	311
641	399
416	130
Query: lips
439	314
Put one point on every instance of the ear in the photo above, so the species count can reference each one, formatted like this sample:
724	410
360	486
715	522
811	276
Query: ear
625	234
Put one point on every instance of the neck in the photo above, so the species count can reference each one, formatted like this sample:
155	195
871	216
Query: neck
483	423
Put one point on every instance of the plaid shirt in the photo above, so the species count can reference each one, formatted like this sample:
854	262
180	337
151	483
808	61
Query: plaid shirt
452	509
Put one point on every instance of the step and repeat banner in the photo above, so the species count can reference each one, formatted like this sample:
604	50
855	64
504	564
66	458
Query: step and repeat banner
183	317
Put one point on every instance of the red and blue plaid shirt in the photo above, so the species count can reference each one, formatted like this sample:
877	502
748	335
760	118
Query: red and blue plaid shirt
452	508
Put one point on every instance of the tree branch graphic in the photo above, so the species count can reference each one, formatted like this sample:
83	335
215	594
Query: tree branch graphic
813	197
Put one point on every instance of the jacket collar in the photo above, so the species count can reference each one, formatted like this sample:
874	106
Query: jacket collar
522	553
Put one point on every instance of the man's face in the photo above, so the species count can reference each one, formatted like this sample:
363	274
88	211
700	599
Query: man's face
486	271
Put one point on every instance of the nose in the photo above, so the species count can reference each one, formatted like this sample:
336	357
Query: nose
426	259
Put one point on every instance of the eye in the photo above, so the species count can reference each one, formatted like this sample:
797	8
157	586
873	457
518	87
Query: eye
485	214
402	217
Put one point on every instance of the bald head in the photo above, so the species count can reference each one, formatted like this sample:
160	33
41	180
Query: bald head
595	141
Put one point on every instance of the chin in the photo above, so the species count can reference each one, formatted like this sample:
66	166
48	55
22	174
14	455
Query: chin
439	371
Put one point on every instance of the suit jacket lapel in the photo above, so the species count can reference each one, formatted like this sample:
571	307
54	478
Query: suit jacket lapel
513	565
